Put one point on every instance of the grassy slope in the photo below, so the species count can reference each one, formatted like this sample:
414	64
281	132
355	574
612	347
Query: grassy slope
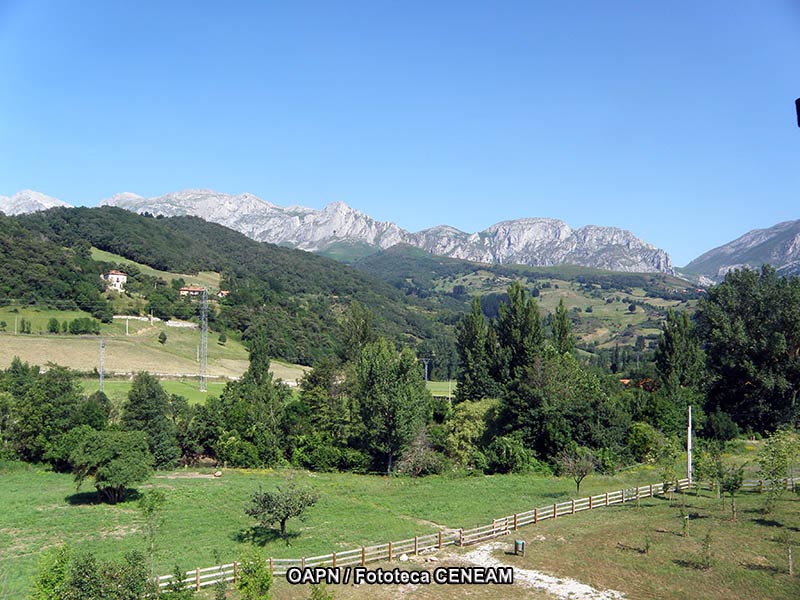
205	514
608	323
139	351
605	549
203	278
601	548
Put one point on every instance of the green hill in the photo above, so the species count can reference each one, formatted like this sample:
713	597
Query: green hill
299	299
599	300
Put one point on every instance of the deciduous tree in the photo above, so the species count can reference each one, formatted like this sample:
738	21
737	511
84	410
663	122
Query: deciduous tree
393	400
279	505
115	460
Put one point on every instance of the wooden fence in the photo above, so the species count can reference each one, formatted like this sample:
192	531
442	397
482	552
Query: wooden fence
199	578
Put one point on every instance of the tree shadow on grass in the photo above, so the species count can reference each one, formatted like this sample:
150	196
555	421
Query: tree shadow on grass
764	568
628	548
89	498
767	522
261	536
690	564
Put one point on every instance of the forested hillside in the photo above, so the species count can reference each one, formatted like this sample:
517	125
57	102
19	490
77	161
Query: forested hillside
298	298
35	270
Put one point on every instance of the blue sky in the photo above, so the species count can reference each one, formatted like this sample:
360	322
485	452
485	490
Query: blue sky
674	120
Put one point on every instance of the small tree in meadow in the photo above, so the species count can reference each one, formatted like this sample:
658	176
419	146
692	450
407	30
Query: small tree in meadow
578	464
151	508
279	505
255	580
776	457
784	538
731	482
162	338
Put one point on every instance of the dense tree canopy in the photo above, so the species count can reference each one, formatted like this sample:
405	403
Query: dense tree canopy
393	400
750	325
115	460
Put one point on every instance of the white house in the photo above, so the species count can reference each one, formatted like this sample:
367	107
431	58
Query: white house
116	280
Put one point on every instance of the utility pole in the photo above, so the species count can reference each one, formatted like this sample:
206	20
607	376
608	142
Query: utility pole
204	342
689	448
425	361
102	362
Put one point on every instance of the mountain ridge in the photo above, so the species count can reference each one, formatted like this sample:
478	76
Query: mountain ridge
532	241
778	245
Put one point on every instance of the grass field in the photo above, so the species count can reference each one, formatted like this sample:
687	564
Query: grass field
441	388
117	389
205	514
603	548
203	278
138	351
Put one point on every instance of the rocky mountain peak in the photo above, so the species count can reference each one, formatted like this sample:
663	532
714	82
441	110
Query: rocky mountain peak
534	241
28	201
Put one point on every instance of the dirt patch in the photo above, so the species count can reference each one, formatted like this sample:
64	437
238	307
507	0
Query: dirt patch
118	532
560	587
187	475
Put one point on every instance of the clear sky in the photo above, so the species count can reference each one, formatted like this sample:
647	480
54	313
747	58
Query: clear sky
672	119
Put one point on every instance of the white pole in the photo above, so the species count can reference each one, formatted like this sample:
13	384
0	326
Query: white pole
689	448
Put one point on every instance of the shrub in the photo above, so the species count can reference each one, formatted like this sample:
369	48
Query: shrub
507	454
255	580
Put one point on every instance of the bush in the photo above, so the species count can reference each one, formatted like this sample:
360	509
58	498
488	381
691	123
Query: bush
255	580
507	454
420	459
235	452
720	426
64	576
644	440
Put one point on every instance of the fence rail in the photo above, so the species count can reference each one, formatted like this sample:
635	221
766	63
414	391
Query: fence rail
199	578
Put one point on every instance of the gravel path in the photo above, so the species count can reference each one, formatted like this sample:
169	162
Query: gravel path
561	587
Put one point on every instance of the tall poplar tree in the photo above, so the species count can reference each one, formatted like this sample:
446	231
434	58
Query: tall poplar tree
563	340
474	379
392	397
519	332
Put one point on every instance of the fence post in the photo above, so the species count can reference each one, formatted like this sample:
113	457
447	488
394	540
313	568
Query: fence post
590	502
573	506
606	498
651	490
622	493
440	540
535	516
271	567
494	527
303	563
235	571
158	584
760	486
197	579
390	551
416	545
515	521
461	537
334	560
555	510
637	494
363	556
